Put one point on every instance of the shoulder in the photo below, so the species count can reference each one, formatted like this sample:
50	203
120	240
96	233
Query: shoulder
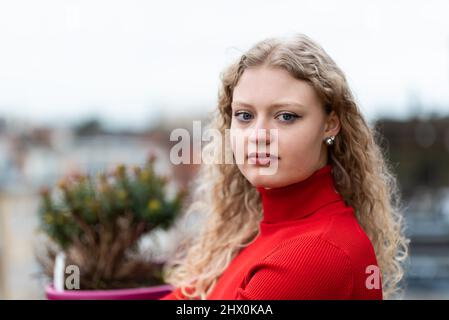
340	242
304	267
310	249
345	232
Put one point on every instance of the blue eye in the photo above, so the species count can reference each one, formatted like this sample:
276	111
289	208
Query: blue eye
243	116
285	117
288	117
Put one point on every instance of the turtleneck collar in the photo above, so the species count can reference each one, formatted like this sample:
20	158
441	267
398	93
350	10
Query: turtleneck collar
300	199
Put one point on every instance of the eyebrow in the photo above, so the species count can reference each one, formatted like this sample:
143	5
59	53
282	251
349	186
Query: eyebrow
274	105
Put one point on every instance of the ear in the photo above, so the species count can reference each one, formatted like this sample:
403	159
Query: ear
332	125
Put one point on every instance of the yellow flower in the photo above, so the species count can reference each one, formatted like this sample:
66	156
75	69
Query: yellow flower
121	194
154	205
145	175
48	218
120	170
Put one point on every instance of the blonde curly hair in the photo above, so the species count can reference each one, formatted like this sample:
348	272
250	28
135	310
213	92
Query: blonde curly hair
231	206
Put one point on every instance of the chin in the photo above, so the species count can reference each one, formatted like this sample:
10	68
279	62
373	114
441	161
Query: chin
265	181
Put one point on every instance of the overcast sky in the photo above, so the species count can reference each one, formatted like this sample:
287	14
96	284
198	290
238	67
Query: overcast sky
128	61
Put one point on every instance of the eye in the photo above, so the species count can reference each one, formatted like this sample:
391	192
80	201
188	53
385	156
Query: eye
287	117
243	116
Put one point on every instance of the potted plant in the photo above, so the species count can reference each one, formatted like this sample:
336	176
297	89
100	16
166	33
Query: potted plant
94	225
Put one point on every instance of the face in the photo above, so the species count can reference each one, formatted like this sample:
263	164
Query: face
271	108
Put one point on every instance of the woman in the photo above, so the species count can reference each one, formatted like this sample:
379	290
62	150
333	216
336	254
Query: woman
327	223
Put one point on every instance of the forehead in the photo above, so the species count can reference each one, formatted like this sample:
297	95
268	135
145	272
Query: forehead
267	85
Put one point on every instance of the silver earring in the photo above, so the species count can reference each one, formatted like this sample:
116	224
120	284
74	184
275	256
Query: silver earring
330	140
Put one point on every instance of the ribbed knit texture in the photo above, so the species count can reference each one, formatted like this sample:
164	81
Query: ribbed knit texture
310	246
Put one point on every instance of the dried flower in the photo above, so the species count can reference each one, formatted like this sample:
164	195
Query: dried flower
100	220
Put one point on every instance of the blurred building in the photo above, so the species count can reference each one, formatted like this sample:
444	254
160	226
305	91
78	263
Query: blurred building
418	150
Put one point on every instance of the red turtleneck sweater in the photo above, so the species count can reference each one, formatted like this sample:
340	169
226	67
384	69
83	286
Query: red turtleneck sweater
310	246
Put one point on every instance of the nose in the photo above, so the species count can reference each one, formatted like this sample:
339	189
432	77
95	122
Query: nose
260	134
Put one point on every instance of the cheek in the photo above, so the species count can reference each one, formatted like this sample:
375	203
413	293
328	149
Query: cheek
298	145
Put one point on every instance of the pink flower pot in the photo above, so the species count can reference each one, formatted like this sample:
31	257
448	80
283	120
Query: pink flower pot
148	293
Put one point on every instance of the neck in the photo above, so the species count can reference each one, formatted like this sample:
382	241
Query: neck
300	199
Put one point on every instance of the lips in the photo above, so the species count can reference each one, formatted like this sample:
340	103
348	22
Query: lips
261	158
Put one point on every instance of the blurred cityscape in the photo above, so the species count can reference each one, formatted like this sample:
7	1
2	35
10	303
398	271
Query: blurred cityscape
418	149
34	156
